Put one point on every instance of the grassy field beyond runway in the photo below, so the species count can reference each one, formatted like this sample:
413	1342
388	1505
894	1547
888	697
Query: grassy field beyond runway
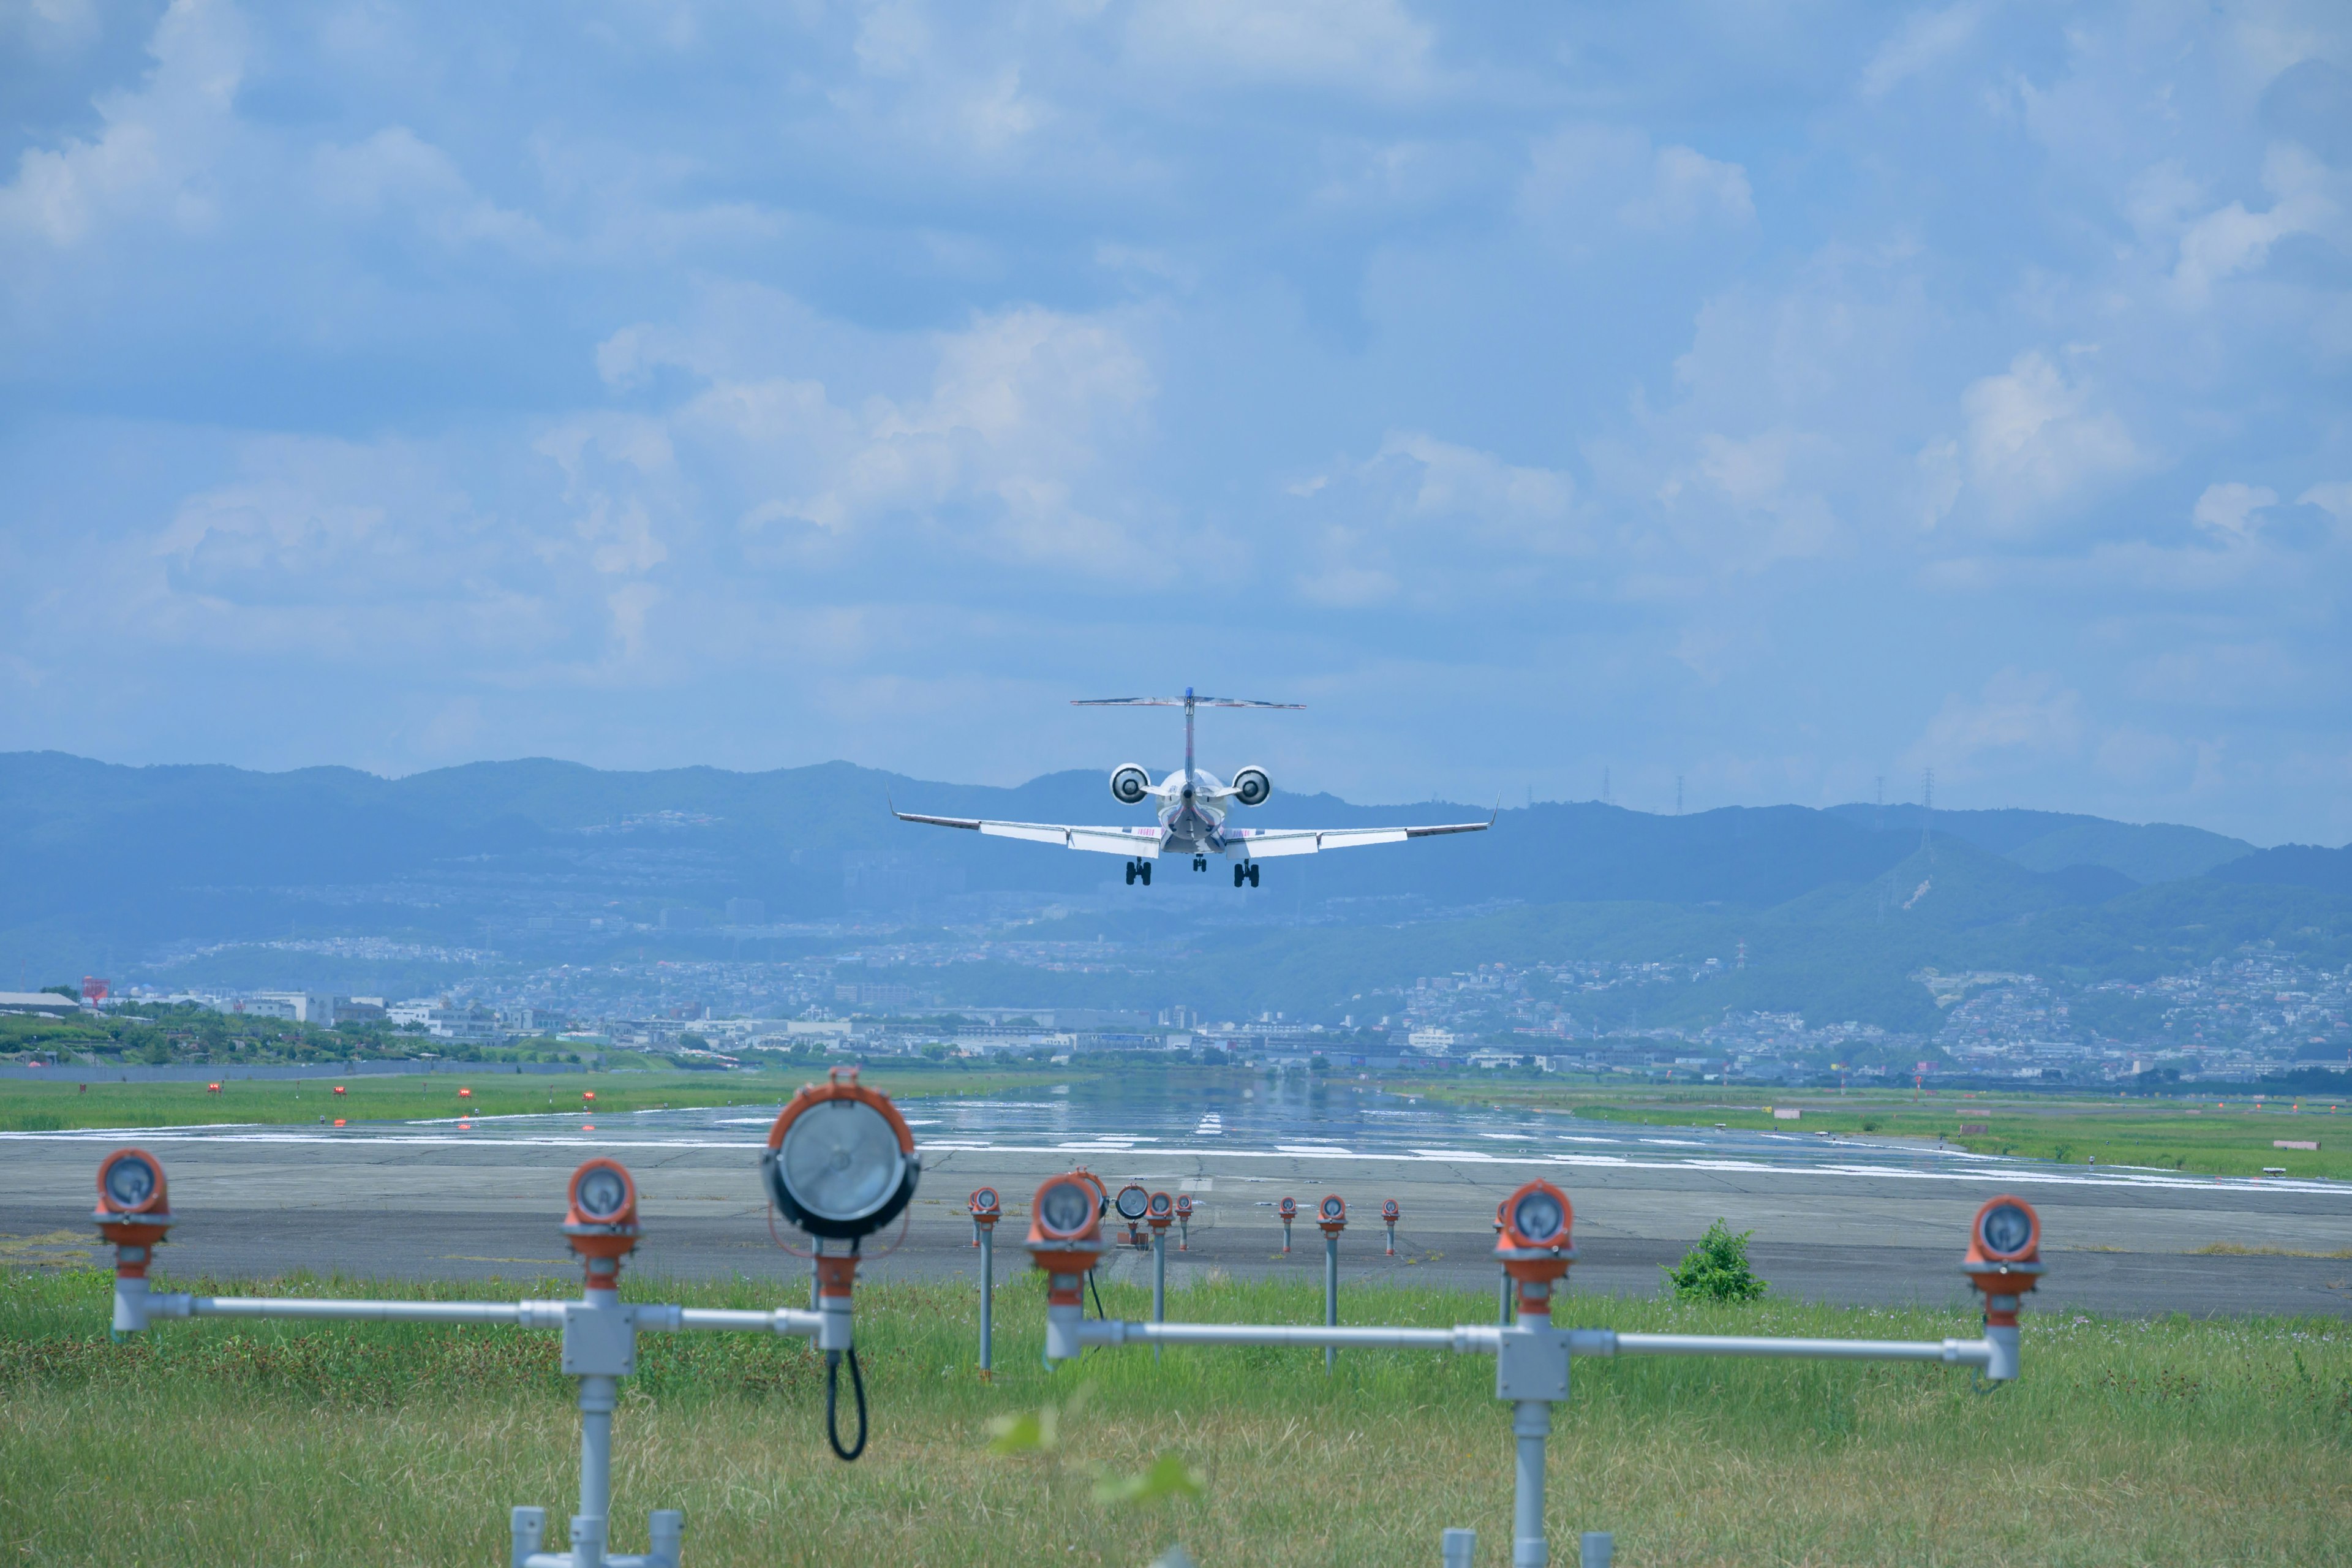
67	1104
2127	1443
2224	1136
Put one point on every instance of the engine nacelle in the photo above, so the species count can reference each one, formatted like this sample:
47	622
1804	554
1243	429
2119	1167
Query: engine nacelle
1252	787
1129	785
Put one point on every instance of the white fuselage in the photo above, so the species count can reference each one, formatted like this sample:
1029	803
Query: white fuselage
1192	806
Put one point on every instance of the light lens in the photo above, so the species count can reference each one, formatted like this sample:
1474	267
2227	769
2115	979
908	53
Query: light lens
1539	1217
1064	1208
1159	1202
984	1199
1333	1208
841	1159
129	1181
2006	1229
602	1194
1132	1201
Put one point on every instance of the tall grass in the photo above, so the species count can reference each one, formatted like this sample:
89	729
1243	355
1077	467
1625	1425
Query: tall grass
2127	1443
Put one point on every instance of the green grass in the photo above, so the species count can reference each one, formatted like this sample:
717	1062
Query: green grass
58	1106
2171	1441
2170	1134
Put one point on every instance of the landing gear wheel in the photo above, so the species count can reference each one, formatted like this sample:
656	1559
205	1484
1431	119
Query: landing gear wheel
1239	872
1200	862
1145	867
1131	873
1253	873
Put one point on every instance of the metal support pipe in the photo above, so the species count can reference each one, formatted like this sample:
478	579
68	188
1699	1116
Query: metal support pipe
525	1314
1503	1302
1458	1548
1330	1294
987	1299
1467	1340
1951	1352
1531	1423
597	1397
1159	1281
1597	1548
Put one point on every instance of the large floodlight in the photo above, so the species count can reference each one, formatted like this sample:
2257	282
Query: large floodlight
841	1161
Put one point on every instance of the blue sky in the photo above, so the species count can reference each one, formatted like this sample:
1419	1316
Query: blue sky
1777	396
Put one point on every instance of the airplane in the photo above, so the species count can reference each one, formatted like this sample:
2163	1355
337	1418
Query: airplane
1192	806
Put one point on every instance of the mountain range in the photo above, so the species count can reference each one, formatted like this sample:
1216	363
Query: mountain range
111	868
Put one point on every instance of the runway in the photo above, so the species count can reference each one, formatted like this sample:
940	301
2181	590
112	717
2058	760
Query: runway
1846	1221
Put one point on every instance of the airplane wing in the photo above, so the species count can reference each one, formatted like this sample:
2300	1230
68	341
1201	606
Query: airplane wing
1131	841
1267	843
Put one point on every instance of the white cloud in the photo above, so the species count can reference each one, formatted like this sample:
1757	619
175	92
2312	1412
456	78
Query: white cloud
2037	439
2334	499
1925	40
2230	508
1585	181
1370	47
157	144
2306	198
395	172
2016	718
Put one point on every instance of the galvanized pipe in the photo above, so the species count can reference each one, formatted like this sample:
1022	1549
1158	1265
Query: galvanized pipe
1503	1302
1470	1341
597	1397
1951	1352
987	1299
526	1314
1159	1281
1331	1293
1531	1423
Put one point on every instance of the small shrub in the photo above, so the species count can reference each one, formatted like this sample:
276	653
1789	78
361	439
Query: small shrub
1717	1268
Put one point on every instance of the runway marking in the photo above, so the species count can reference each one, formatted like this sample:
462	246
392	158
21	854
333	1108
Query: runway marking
1983	1168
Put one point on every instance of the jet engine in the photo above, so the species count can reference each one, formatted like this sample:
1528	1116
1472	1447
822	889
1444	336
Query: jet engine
1252	787
1129	785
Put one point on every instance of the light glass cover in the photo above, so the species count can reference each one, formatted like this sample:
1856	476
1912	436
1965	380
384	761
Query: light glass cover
984	1199
1132	1201
1538	1217
841	1159
1065	1207
1333	1208
2006	1229
602	1194
129	1181
1159	1202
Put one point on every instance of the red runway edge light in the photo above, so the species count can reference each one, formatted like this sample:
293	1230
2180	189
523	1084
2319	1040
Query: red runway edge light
134	1209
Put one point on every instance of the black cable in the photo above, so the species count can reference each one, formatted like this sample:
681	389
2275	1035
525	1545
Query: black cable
1098	1295
831	1407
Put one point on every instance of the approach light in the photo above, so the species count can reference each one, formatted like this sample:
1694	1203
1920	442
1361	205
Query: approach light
1160	1209
1332	1214
1390	1212
1287	1208
985	1204
2007	1228
2003	1262
841	1161
1536	1245
1132	1201
1063	1210
129	1181
1183	1205
602	1225
1537	1216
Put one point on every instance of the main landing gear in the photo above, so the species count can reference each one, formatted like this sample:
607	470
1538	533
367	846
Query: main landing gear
1200	862
1247	872
1136	869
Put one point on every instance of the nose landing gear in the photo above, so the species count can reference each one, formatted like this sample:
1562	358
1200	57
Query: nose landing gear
1139	868
1245	872
1200	862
